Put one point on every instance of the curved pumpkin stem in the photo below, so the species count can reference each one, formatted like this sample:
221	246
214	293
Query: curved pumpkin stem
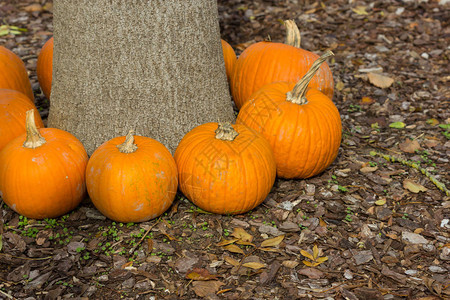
297	95
293	37
128	146
226	132
34	139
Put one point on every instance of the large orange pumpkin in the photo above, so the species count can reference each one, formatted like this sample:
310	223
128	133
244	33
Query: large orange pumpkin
42	173
44	67
132	178
302	125
225	169
229	57
13	108
266	62
13	74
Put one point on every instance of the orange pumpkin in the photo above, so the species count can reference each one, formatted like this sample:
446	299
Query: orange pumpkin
42	173
44	67
225	169
302	126
229	57
13	107
266	62
132	178
13	74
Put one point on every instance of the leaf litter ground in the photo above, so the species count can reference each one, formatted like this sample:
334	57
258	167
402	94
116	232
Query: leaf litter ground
367	228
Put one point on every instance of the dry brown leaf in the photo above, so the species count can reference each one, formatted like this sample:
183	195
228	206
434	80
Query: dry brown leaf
311	273
234	249
413	186
33	7
368	169
273	241
409	146
200	274
269	249
231	261
241	234
239	242
226	242
379	80
254	265
291	264
205	288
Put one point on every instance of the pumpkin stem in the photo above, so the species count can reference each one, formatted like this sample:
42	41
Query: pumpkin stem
34	139
297	95
226	132
128	146
293	37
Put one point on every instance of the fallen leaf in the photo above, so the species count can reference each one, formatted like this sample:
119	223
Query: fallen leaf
380	202
379	80
291	264
409	146
315	251
339	85
413	186
150	245
311	273
360	10
226	242
33	7
234	249
397	125
272	242
368	169
306	254
432	122
241	234
1	243
200	274
367	100
254	265
206	288
239	242
269	249
231	261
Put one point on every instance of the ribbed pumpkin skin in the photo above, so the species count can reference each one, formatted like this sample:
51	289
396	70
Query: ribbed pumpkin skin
305	138
13	74
225	177
13	108
229	57
266	62
44	67
132	187
45	182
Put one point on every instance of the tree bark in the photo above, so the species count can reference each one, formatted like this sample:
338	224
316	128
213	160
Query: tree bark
154	66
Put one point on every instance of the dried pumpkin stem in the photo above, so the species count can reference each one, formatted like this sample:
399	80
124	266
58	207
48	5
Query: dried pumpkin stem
34	139
128	146
297	95
226	132
293	37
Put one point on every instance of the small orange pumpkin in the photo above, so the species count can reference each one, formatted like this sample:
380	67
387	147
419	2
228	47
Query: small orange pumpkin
42	172
132	178
13	74
224	168
229	57
302	126
266	62
44	67
13	108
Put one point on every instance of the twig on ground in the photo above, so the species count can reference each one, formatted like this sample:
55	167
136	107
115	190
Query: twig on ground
433	179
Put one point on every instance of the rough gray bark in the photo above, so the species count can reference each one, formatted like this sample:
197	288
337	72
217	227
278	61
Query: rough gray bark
155	66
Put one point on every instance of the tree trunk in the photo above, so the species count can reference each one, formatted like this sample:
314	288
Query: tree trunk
155	66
